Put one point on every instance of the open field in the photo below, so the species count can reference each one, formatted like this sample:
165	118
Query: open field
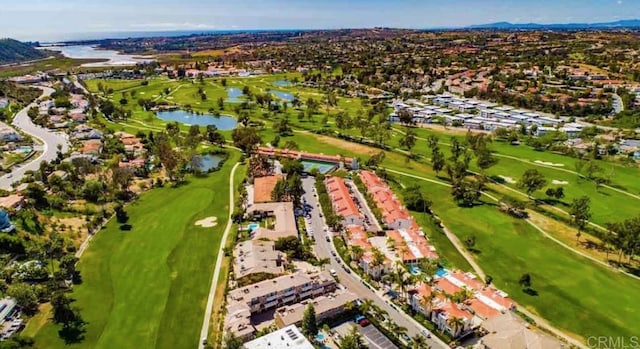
148	287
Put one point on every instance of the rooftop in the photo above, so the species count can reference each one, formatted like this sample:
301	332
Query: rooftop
266	287
285	224
288	337
263	187
292	314
254	256
341	198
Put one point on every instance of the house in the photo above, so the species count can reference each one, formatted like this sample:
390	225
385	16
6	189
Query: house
255	257
8	134
288	337
285	221
8	306
342	201
326	307
4	103
263	187
12	202
91	147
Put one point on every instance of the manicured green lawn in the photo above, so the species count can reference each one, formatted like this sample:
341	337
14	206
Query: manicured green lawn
574	293
148	287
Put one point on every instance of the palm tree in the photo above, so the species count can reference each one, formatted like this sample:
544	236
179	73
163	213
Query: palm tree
426	302
419	342
357	252
366	305
456	324
323	261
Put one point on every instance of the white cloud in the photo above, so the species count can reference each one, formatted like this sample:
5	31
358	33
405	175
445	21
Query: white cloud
619	2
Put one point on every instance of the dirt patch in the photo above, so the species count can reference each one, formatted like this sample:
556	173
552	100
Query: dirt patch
208	222
346	145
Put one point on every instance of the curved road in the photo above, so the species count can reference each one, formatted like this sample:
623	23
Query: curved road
49	139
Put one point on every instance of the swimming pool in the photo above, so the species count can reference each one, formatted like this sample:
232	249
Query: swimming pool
253	226
415	270
320	337
442	273
323	167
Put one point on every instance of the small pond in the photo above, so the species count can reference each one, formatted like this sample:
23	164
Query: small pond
282	83
234	95
286	96
208	162
222	122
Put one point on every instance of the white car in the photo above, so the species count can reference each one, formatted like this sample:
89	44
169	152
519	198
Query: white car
333	272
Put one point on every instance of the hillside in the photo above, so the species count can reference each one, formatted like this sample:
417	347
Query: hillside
631	23
13	51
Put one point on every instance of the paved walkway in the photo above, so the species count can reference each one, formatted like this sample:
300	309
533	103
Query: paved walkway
204	332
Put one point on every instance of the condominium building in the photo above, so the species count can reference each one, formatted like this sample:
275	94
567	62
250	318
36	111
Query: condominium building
342	201
282	290
326	307
255	257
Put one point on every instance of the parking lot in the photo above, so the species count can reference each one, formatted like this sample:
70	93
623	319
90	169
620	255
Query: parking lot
374	338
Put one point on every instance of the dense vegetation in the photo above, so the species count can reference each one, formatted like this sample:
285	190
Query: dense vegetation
13	51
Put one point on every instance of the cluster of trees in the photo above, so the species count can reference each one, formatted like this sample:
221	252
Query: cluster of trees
465	191
624	236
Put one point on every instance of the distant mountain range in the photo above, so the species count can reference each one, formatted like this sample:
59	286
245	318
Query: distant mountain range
14	51
629	23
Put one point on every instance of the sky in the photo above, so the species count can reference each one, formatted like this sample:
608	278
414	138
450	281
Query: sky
51	20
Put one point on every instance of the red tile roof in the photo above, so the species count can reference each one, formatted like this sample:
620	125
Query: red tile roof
341	199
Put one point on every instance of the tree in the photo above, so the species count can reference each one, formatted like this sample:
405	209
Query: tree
213	136
525	281
580	213
557	193
415	200
63	313
408	140
405	117
25	295
437	160
232	342
68	264
246	138
309	324
531	181
352	340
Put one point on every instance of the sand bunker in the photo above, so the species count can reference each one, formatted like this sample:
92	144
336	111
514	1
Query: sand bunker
508	179
141	93
557	182
548	163
208	222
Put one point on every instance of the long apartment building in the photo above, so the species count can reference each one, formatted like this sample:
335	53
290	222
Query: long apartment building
282	290
410	243
244	302
435	302
342	201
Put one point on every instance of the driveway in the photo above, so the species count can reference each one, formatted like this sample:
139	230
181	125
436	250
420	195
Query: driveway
372	224
50	140
350	280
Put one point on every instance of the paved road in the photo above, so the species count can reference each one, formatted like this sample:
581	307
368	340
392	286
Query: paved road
204	331
351	280
50	140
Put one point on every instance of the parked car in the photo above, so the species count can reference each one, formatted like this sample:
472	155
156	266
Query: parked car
346	269
361	320
333	253
333	272
426	333
328	239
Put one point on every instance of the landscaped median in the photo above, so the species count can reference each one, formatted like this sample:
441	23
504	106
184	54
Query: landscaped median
148	287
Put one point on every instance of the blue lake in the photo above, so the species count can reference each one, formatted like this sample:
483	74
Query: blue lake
282	83
234	95
222	122
207	162
286	96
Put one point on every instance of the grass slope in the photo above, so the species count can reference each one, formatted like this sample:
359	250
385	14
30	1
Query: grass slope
147	288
